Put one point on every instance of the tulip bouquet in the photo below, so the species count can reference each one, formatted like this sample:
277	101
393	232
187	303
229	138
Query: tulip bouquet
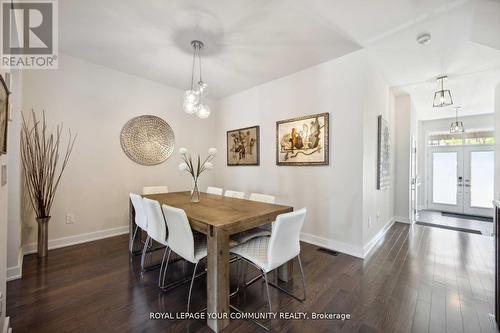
195	172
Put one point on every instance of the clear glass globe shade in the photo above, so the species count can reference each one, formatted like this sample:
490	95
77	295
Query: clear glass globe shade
203	111
189	107
202	88
191	97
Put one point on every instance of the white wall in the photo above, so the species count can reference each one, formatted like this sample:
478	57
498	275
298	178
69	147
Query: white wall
333	194
96	102
402	172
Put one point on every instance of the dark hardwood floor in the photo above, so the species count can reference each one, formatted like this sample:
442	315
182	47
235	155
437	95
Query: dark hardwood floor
417	279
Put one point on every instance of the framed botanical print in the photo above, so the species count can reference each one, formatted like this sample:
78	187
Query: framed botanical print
4	115
243	146
303	140
383	154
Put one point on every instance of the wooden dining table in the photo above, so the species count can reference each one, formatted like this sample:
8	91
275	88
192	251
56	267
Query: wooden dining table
219	217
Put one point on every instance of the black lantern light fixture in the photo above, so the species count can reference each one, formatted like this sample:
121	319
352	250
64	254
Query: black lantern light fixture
456	126
442	97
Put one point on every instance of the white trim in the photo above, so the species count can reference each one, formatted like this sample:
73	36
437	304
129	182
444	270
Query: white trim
402	219
78	239
371	244
16	272
330	244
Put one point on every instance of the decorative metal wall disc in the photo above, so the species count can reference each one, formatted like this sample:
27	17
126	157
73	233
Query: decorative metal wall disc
147	140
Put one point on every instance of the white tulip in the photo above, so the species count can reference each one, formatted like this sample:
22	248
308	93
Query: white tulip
183	151
183	167
209	166
212	151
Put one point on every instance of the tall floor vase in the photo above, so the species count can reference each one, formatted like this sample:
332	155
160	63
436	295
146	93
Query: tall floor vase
43	235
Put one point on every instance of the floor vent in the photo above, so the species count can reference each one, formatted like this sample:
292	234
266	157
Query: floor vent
328	251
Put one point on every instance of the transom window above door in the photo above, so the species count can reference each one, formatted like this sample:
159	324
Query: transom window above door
467	138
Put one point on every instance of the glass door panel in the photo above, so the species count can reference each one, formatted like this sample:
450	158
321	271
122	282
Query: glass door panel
481	180
444	178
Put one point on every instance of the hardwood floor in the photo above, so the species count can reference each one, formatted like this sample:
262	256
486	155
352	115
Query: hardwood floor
417	279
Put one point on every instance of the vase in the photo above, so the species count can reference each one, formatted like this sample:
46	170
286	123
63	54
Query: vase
43	233
195	192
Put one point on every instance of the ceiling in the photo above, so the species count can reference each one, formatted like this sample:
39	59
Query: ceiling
249	42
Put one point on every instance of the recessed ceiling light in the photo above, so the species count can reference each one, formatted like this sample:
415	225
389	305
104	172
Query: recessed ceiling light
424	38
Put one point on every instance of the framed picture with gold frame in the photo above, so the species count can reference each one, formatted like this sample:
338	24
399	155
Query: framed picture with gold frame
303	141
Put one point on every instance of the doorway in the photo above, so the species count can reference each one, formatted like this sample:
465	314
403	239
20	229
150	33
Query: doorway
461	179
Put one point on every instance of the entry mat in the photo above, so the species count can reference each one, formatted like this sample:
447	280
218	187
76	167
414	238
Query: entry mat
449	227
468	217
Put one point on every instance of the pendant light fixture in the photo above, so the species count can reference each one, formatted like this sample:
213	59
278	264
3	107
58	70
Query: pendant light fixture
456	126
195	96
442	97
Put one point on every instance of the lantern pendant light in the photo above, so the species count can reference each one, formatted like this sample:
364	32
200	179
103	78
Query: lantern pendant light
442	97
456	126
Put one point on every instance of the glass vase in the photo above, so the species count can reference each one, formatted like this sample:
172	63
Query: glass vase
195	192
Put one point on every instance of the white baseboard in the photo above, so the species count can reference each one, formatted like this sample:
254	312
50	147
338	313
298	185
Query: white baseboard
16	272
370	245
402	219
78	239
332	245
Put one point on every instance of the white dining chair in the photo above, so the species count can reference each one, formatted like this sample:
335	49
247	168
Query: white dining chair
182	241
157	230
154	189
268	253
214	190
259	231
141	220
234	194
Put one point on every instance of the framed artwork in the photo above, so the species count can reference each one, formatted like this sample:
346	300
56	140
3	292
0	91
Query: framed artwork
383	154
303	140
243	146
4	115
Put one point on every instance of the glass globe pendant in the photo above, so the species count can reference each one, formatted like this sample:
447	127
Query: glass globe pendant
193	98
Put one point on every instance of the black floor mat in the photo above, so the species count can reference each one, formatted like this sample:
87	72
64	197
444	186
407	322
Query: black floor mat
469	217
449	227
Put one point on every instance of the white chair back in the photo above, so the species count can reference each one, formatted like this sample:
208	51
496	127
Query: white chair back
214	190
284	243
262	198
234	194
154	189
180	239
157	228
140	215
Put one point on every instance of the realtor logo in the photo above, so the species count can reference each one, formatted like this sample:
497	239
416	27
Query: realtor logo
29	35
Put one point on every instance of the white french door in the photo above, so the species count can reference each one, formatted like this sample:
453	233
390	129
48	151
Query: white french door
461	179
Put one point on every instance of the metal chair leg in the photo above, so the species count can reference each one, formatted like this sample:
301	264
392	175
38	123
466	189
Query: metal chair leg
166	267
161	266
272	284
131	245
191	286
144	253
268	299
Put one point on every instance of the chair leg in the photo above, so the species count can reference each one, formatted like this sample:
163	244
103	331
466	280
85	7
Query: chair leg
272	284
131	245
191	286
268	298
166	267
161	266
144	252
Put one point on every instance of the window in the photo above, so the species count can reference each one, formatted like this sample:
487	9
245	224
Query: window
467	138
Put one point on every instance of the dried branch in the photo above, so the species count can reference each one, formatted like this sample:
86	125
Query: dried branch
40	159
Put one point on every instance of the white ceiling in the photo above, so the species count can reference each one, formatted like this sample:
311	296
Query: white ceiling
249	42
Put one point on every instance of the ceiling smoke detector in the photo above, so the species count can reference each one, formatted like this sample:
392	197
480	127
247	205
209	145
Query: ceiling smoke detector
424	39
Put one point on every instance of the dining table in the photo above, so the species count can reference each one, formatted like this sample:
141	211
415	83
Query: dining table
219	217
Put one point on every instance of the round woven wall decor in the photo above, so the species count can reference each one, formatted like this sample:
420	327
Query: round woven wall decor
147	140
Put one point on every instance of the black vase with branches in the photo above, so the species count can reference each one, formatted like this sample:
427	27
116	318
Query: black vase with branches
43	164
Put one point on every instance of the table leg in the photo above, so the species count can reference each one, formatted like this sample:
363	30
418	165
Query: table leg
131	224
217	279
285	272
